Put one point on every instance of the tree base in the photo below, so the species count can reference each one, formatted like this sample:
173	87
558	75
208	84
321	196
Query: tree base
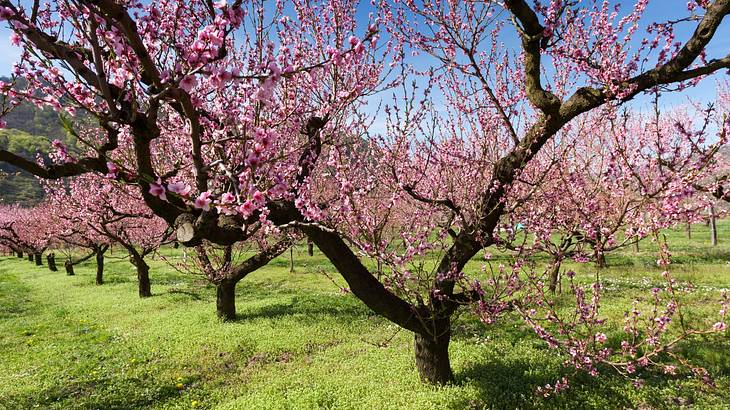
432	359
225	302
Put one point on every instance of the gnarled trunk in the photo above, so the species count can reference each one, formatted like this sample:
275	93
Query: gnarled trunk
99	267
432	355
51	260
143	277
225	301
38	259
554	276
69	265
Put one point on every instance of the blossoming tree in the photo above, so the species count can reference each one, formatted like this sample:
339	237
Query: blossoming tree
636	176
29	230
264	128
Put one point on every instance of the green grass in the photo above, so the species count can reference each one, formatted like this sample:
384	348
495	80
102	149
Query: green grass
299	343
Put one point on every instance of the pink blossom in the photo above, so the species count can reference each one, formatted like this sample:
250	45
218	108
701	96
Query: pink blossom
178	188
246	209
6	13
258	198
719	326
228	198
220	4
156	189
600	337
14	39
188	82
253	160
203	201
113	170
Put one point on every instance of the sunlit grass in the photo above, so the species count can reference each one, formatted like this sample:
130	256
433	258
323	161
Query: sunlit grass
301	343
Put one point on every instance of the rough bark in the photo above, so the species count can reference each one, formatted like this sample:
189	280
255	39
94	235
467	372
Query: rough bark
226	300
554	276
143	276
432	355
51	260
69	265
99	267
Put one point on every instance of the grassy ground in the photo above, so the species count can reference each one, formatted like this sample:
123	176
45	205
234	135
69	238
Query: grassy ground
300	343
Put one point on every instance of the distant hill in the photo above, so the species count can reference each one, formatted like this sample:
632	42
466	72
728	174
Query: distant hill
29	131
15	185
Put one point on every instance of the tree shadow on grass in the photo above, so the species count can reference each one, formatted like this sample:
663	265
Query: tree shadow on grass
183	292
507	378
102	393
504	384
110	279
307	309
509	381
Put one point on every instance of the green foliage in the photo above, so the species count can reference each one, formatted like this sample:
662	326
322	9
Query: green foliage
299	343
22	142
15	185
29	132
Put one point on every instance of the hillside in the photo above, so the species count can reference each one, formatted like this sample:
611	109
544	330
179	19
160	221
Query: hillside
29	131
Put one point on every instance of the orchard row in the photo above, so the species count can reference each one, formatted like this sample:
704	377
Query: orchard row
409	141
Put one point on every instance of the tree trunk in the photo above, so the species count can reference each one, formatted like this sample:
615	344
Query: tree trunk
688	228
636	245
143	276
310	248
30	257
291	259
225	301
432	356
20	254
51	259
600	259
69	265
713	226
99	268
38	259
554	276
